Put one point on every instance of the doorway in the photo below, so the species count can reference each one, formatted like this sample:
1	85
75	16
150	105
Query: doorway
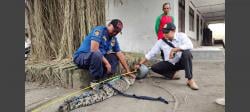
181	19
197	27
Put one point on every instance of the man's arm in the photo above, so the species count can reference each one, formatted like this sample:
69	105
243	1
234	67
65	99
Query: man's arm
144	60
94	48
122	59
157	24
186	44
150	54
154	50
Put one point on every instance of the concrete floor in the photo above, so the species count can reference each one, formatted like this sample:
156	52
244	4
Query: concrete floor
210	76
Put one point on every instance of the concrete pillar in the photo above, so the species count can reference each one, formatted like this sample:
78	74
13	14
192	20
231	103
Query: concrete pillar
175	9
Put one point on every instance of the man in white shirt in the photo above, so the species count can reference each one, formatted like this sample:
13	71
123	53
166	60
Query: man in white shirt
177	56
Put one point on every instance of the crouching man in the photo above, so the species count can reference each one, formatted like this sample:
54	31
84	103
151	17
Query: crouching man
100	52
177	56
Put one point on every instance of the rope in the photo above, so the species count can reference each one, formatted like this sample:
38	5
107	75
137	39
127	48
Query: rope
47	104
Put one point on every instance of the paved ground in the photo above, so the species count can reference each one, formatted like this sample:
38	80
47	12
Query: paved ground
210	77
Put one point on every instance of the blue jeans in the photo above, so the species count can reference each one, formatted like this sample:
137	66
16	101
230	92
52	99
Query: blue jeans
93	62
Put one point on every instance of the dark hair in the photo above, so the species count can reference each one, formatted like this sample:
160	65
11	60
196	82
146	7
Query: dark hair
167	3
117	24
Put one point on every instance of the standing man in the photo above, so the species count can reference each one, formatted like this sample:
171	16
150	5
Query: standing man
161	21
177	56
100	52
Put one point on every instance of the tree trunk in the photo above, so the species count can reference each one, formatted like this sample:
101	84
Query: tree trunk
57	27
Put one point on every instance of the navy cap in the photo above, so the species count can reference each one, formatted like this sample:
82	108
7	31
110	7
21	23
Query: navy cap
168	27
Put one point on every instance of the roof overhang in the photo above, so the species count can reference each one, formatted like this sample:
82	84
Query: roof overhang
213	11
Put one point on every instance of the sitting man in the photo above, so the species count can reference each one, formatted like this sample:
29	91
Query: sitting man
177	56
100	52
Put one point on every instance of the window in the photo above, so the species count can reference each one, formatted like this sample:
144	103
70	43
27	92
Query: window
191	19
182	3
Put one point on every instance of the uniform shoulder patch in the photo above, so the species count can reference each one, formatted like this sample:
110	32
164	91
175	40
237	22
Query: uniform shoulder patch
97	33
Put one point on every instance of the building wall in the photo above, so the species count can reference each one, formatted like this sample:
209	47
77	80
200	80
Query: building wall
192	34
138	17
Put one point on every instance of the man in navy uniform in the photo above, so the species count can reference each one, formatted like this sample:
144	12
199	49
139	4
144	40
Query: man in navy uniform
100	52
177	56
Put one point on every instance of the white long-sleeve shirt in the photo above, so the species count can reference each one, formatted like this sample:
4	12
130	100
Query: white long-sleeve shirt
180	40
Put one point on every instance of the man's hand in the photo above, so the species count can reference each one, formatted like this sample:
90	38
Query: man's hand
130	74
108	66
137	66
173	52
122	59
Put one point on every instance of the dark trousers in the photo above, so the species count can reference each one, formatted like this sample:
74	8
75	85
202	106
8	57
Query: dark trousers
168	70
93	62
162	55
